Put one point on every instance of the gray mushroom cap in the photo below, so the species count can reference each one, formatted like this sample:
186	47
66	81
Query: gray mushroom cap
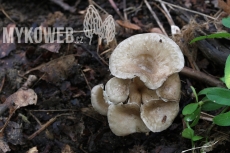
152	57
124	119
170	90
98	101
159	115
116	90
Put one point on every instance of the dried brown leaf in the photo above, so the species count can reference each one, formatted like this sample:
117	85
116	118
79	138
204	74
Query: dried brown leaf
225	6
32	150
6	48
128	25
23	97
57	69
52	47
66	149
4	147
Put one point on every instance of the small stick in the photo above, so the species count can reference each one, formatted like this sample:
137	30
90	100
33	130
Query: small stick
116	9
2	83
12	111
44	126
3	11
206	146
201	76
155	17
182	8
106	51
86	81
167	12
206	117
167	15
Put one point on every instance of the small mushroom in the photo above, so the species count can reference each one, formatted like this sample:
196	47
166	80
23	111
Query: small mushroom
170	90
152	57
116	90
135	92
98	101
159	115
124	119
139	93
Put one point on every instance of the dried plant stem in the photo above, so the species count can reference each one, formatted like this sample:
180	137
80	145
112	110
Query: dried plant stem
201	76
44	126
188	10
207	146
206	117
116	9
3	11
2	83
155	17
87	82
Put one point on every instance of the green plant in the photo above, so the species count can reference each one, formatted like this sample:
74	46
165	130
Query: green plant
225	22
214	98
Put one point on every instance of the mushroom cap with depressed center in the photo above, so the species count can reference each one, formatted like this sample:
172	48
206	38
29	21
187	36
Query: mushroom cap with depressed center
170	90
97	100
116	90
159	115
152	57
124	119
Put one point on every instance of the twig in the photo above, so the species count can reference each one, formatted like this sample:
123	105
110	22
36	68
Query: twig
205	146
36	119
201	76
124	6
170	20
12	111
87	82
2	83
166	15
99	42
43	127
207	117
116	9
106	51
3	11
65	6
100	8
155	17
182	8
54	110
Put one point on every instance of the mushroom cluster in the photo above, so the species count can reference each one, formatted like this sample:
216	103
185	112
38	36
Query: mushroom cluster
144	93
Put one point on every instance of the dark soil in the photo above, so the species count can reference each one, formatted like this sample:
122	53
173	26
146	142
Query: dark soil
66	97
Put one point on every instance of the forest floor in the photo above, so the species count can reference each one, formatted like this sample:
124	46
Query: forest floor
63	119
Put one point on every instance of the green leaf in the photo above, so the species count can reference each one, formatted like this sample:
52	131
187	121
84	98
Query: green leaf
193	117
210	106
226	22
206	90
227	72
222	79
188	133
215	35
196	138
197	117
222	119
190	108
194	92
220	96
